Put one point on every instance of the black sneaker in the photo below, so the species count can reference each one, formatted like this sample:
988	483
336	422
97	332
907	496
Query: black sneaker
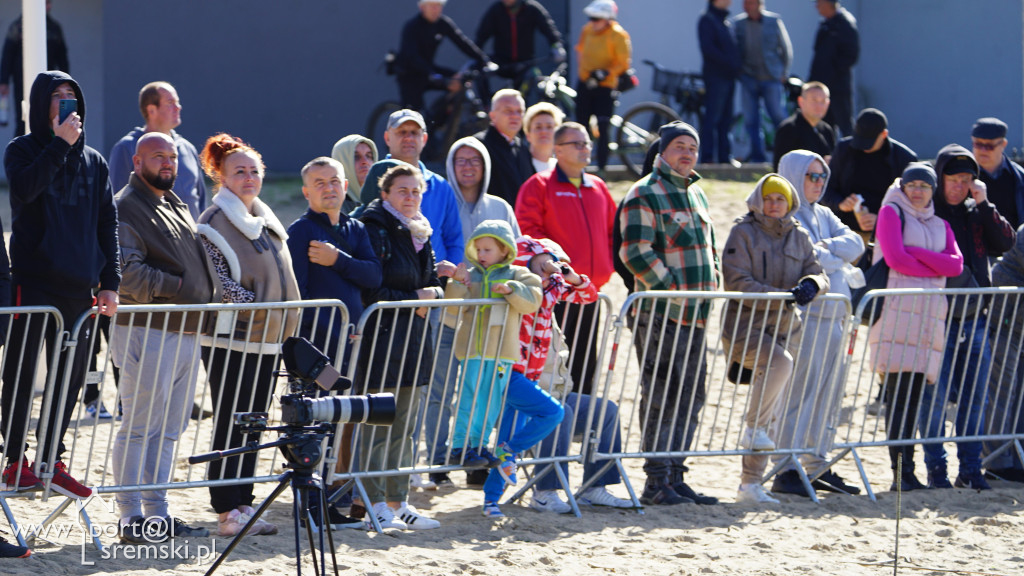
938	479
1007	474
832	482
471	460
335	518
8	550
789	482
477	477
441	479
685	491
662	495
181	530
908	483
972	480
139	530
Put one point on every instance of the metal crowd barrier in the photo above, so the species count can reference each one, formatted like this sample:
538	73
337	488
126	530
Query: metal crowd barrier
159	339
975	395
674	391
418	351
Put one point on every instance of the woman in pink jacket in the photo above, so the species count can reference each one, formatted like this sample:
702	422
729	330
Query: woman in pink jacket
907	342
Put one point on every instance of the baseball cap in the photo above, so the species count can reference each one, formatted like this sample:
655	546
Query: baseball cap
961	164
399	117
870	123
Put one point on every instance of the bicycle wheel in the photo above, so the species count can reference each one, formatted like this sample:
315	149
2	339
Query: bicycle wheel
637	128
379	123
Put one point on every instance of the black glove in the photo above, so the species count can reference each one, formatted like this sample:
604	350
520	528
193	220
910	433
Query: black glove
804	292
596	77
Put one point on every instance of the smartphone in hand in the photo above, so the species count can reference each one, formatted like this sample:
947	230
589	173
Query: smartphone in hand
66	108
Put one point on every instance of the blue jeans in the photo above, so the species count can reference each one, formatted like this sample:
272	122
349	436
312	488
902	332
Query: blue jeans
538	414
753	92
575	422
714	128
963	378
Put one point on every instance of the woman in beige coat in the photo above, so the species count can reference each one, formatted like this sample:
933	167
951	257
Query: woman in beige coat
767	251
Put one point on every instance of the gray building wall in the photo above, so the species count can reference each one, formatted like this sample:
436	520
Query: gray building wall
293	77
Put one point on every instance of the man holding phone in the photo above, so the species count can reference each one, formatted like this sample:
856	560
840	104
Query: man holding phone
63	251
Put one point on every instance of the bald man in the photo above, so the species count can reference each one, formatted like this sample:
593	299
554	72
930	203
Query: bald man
162	262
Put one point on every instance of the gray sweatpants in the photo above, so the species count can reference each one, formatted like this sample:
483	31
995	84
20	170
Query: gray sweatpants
157	390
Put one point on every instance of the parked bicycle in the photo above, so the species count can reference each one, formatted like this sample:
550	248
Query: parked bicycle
455	114
463	112
638	127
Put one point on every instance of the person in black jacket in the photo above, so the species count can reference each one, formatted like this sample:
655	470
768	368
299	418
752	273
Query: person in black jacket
836	49
863	167
63	249
415	65
11	61
513	25
510	157
721	67
396	355
806	129
981	232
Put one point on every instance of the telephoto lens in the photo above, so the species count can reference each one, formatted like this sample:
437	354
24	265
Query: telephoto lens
374	409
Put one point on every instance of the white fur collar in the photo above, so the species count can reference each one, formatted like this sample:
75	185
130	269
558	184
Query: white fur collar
251	226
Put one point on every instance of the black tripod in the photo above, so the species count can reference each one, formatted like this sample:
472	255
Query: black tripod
301	446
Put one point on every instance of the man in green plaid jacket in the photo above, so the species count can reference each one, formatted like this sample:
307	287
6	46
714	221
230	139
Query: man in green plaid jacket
668	243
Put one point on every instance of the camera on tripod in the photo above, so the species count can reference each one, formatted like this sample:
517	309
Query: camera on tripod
309	370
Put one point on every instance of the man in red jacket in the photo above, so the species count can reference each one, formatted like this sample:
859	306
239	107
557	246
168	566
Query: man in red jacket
575	210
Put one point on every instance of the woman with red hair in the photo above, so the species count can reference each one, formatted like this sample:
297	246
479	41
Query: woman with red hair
246	243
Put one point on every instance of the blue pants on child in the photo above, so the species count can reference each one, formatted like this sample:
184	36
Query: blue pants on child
483	382
575	423
530	415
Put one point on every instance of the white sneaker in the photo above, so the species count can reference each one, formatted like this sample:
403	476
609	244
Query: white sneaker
600	496
549	501
418	481
756	439
754	494
385	516
414	520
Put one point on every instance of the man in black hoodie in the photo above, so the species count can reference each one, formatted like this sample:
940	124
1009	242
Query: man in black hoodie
63	248
981	232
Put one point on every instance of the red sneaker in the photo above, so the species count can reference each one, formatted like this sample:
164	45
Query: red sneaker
66	485
19	476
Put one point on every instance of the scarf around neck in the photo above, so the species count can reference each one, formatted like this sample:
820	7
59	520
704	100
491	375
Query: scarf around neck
418	225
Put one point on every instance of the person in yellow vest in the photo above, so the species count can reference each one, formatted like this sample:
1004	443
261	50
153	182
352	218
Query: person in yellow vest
603	53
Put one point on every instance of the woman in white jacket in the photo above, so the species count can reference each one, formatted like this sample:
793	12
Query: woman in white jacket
801	420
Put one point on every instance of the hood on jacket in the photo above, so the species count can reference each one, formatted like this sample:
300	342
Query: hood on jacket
344	151
755	202
793	167
39	104
477	145
500	231
528	247
946	154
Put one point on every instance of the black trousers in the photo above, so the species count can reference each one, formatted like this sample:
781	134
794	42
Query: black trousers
581	326
239	382
596	102
902	396
28	335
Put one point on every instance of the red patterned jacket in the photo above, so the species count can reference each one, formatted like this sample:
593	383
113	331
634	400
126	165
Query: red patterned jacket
535	330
